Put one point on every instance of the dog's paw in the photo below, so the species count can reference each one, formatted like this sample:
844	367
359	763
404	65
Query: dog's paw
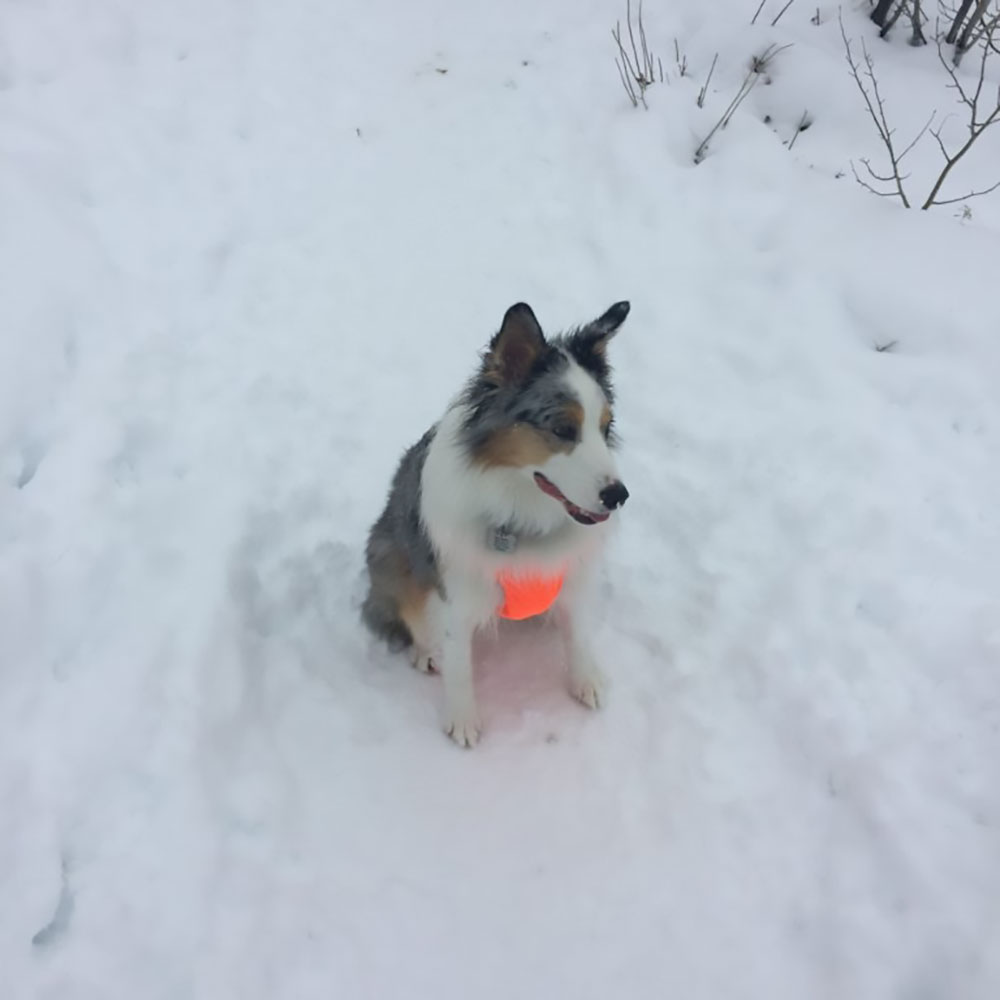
588	689
422	661
465	731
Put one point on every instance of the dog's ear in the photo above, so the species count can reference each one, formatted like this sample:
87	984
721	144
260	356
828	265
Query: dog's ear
594	336
516	347
589	344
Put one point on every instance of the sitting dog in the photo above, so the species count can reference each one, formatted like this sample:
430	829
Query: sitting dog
501	509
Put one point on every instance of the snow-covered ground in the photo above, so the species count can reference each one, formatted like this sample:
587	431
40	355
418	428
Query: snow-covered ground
248	250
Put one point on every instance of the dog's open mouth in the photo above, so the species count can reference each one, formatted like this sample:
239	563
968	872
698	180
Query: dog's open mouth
577	513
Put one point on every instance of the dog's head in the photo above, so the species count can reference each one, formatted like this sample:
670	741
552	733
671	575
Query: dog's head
544	408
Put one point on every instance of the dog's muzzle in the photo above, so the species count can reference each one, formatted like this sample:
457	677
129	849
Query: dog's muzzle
615	492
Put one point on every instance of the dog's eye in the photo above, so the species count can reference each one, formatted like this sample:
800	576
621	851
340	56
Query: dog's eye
565	432
607	429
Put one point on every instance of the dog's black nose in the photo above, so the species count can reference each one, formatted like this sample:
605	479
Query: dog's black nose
614	495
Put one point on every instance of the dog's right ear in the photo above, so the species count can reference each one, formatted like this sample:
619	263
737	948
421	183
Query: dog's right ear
516	347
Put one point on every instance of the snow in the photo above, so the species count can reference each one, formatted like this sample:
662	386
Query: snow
249	251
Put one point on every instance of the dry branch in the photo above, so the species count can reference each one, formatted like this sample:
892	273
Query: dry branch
708	79
804	122
758	66
636	70
781	12
876	109
982	110
981	117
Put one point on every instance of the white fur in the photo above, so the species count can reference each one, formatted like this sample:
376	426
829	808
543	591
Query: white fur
462	504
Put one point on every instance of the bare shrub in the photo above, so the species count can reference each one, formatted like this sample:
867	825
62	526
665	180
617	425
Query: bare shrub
980	115
981	111
759	66
867	84
636	64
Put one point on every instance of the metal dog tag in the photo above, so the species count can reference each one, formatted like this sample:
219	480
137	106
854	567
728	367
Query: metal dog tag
503	539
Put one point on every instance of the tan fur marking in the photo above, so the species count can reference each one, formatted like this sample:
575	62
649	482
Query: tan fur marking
574	414
517	446
393	577
523	445
605	418
412	600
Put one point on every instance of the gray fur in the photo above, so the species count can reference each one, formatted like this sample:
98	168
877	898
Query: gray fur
398	543
587	344
539	402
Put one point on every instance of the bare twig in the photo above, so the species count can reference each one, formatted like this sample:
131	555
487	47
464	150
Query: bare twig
876	109
965	197
626	79
753	20
919	135
804	122
781	12
631	35
681	60
980	119
708	79
636	71
759	64
866	185
982	108
762	62
745	87
647	59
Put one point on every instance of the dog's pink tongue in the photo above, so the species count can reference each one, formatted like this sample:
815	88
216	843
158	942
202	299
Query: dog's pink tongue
547	486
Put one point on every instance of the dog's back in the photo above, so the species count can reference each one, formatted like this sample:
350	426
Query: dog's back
402	567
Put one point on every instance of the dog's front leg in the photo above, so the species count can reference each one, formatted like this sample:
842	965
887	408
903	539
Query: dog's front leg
461	614
575	615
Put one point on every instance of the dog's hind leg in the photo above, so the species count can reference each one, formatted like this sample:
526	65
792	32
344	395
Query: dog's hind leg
394	608
414	615
380	613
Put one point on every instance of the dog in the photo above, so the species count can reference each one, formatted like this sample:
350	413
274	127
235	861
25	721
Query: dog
502	509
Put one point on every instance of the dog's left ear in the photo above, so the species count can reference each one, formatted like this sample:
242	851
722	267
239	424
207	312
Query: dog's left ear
595	336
